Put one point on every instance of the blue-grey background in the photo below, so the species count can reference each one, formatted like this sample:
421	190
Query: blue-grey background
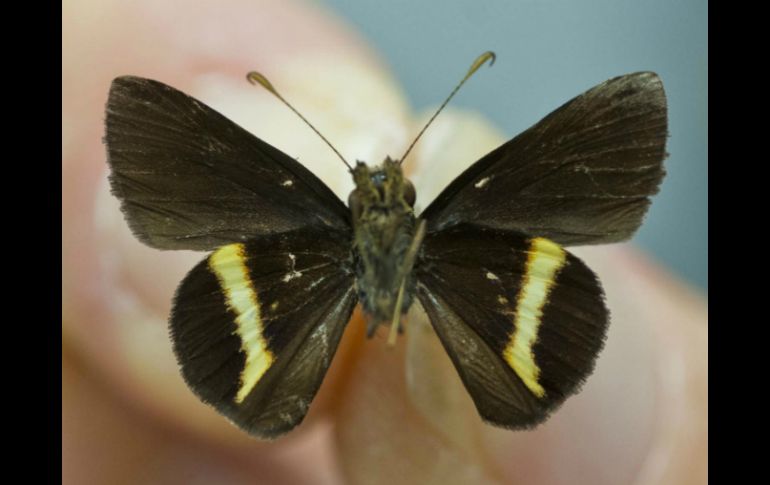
550	51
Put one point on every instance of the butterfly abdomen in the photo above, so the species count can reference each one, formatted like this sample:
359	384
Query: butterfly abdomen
379	272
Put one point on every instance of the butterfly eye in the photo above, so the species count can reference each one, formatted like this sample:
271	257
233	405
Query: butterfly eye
354	202
378	178
409	193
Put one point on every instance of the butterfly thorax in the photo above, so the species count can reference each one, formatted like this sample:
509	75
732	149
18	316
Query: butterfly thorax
383	230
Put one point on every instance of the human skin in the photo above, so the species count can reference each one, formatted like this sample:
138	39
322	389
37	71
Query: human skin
383	415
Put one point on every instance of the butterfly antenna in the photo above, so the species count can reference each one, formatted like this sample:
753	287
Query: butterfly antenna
480	61
256	78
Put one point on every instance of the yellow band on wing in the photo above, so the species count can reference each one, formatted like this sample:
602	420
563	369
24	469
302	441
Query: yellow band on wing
545	260
229	265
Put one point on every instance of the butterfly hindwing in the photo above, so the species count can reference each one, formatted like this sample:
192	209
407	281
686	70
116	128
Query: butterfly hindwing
189	178
522	319
582	175
256	324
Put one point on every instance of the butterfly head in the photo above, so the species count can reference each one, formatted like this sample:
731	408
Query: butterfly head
380	189
382	209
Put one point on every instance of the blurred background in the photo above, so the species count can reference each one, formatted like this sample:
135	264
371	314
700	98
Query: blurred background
550	51
363	71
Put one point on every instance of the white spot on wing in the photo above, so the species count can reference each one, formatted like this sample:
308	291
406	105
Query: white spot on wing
492	276
293	273
481	183
287	183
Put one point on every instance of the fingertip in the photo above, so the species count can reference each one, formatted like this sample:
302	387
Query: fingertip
382	431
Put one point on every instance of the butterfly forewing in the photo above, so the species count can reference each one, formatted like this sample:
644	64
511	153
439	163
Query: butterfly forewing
522	319
582	175
189	178
255	325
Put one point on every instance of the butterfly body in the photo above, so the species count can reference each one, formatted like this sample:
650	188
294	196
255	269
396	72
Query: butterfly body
256	323
384	224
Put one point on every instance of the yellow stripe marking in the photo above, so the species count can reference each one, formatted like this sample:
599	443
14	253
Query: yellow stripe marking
545	260
229	264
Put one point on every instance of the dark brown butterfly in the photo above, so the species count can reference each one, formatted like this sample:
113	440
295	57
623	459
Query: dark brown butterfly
255	325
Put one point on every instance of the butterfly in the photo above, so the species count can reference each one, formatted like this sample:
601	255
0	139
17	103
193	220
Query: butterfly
255	325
